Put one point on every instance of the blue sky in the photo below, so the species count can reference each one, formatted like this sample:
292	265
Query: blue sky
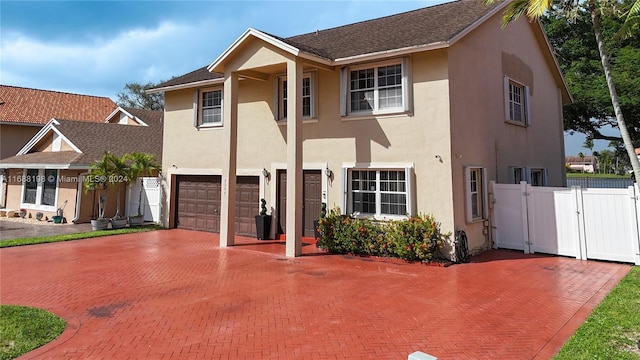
95	47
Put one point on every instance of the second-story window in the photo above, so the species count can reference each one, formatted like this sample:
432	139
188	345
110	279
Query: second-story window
308	103
210	108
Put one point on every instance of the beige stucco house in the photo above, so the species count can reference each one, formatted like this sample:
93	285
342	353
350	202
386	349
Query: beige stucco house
24	111
410	113
48	172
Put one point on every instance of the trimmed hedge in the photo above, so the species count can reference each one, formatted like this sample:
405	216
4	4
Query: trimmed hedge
417	238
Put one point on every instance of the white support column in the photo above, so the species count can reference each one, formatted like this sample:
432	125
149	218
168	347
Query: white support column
294	158
230	129
525	217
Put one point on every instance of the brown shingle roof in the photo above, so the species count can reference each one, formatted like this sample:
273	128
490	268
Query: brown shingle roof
434	24
431	25
33	106
201	74
93	139
150	117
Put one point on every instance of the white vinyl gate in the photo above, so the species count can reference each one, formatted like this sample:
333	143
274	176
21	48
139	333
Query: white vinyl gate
583	223
150	198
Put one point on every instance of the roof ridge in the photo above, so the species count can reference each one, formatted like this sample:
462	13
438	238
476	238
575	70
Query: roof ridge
55	91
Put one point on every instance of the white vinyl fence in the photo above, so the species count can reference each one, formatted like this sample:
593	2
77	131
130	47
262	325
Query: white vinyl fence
585	223
151	198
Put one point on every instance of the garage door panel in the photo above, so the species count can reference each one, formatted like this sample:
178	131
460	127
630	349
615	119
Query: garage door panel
198	203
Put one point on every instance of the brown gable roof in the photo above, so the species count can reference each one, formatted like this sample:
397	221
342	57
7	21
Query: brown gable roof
201	74
93	139
33	106
431	25
150	117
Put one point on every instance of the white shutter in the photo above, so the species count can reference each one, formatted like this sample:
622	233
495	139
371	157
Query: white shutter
344	182
344	79
276	98
409	189
314	94
407	85
485	196
467	194
195	108
527	112
506	99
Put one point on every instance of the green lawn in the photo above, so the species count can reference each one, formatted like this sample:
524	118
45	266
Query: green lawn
607	176
82	235
23	329
612	331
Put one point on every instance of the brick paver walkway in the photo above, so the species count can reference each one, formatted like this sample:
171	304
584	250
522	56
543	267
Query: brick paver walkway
175	295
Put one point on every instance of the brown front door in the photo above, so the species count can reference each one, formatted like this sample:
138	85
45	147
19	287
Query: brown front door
198	202
311	203
247	204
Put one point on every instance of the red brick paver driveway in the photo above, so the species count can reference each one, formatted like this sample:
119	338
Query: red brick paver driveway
175	295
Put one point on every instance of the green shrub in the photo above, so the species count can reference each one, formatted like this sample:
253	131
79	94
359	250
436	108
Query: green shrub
417	238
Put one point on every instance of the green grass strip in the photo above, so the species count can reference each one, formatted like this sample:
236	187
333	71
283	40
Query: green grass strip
612	331
596	175
82	235
23	329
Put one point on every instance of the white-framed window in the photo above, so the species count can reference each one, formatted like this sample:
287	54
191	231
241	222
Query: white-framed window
209	108
379	192
516	102
40	189
533	176
308	97
538	177
380	88
476	195
517	174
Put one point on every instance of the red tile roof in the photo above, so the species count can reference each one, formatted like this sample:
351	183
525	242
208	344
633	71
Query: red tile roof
33	106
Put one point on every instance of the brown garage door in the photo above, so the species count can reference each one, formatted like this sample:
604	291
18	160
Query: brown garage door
198	202
247	204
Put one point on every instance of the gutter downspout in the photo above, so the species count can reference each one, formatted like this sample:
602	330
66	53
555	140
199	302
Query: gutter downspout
79	195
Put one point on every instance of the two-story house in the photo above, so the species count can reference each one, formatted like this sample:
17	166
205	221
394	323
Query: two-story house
405	114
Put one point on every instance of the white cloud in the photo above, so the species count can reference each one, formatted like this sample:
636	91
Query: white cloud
103	65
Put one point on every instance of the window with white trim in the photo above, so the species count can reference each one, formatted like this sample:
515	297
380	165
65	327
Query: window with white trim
210	112
533	176
475	193
376	88
308	97
538	177
380	193
40	189
516	101
517	174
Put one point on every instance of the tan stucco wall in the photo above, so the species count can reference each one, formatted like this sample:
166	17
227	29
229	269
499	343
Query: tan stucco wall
393	140
15	137
480	135
471	71
67	190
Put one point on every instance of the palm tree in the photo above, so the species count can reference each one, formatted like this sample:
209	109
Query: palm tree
534	9
118	176
142	164
97	180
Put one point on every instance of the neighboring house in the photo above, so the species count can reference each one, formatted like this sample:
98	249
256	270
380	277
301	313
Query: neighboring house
47	173
583	164
406	114
24	111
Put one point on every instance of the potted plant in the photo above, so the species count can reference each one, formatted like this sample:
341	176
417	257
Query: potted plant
263	222
96	181
141	164
316	223
118	176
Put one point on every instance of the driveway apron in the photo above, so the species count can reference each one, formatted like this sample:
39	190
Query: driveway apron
175	294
